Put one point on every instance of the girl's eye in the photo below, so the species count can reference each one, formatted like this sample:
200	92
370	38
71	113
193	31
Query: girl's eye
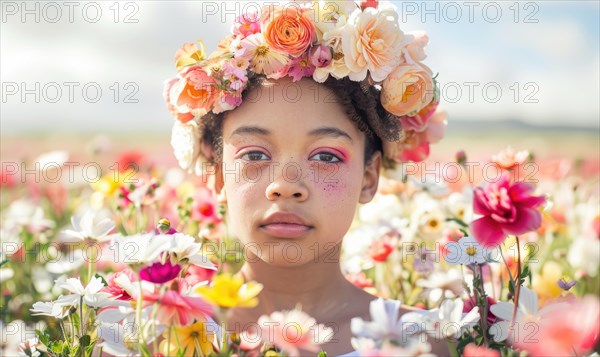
326	157
255	156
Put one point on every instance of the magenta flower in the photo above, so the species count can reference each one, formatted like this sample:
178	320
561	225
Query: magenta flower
159	273
507	208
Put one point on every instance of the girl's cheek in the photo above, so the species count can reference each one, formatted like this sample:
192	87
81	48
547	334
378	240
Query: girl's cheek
330	179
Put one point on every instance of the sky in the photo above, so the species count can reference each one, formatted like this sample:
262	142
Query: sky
93	66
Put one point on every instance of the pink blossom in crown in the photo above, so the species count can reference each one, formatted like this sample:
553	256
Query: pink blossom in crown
246	24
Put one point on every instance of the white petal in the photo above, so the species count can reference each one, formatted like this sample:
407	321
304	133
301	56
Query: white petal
471	317
499	330
202	261
502	310
86	224
103	227
73	285
94	286
528	301
73	234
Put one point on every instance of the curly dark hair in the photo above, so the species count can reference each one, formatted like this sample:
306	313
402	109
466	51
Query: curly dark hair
359	99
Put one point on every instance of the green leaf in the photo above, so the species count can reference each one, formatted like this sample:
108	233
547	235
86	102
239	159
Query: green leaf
322	354
58	347
459	221
101	278
43	336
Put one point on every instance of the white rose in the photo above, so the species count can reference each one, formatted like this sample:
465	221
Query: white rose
185	140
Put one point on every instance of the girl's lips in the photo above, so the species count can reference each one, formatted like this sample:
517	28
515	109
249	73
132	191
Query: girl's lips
285	230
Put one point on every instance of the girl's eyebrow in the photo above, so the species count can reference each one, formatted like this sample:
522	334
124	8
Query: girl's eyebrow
322	131
252	130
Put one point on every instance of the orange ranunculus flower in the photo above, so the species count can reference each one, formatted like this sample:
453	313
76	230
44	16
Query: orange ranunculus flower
408	89
289	30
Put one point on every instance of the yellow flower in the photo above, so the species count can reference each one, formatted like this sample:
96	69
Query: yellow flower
230	291
191	338
109	183
546	283
189	54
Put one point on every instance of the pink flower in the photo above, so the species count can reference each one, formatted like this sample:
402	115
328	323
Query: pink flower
507	208
321	56
360	280
159	273
301	67
293	330
508	158
205	207
235	70
565	331
195	274
176	307
114	288
246	24
472	350
420	121
414	51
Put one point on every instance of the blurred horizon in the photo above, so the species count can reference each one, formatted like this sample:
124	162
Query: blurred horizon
539	62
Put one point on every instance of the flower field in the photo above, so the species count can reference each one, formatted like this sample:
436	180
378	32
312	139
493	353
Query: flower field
108	248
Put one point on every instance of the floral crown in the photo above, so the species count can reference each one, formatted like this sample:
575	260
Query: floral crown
318	39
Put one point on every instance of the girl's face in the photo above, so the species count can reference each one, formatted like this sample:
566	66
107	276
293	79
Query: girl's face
291	149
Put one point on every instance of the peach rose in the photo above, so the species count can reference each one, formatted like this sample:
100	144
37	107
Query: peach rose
408	89
414	51
168	85
372	41
289	30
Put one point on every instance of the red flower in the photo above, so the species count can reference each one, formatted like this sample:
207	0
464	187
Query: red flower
382	247
507	208
369	3
130	160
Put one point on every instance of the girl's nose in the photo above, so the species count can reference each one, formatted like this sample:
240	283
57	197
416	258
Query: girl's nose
285	187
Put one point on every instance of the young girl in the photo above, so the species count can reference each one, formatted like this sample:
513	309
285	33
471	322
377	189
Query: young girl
296	120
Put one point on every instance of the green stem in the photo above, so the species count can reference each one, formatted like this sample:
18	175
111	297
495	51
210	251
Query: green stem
512	280
452	349
138	315
483	297
518	284
90	268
